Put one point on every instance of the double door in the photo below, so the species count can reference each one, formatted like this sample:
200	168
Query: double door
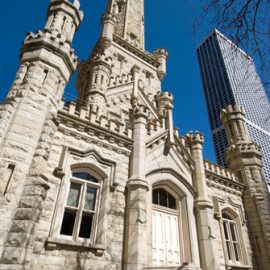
165	239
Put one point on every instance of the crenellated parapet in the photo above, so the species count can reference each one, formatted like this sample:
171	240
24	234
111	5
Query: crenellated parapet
141	111
248	152
194	138
44	41
220	171
164	102
120	80
233	118
63	18
108	122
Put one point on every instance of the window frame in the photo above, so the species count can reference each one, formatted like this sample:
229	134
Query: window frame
165	208
79	209
232	220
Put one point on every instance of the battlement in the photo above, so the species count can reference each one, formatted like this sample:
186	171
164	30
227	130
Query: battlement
49	39
166	95
141	111
161	53
232	109
110	122
75	4
245	147
120	80
102	58
155	127
219	170
195	137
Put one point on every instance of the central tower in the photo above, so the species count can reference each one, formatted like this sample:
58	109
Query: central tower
129	20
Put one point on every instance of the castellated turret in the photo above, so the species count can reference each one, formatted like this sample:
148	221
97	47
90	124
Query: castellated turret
244	157
28	125
64	18
233	118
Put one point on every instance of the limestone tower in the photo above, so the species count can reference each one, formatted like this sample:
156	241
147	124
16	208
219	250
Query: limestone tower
245	159
28	125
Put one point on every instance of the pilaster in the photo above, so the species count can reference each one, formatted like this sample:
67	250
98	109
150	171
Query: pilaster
203	205
136	248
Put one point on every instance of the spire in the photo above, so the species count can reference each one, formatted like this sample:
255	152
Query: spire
130	20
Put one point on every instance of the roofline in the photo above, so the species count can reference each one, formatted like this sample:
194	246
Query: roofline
215	31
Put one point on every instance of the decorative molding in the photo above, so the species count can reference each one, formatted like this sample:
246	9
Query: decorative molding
176	175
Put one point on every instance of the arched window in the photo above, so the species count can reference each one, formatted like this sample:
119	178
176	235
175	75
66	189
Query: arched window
81	206
162	197
231	237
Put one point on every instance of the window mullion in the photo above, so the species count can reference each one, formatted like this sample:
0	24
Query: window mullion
231	241
79	212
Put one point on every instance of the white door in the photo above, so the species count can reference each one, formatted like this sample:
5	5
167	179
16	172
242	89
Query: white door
165	239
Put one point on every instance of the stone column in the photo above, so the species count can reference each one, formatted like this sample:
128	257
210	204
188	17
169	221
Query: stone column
245	159
136	219
203	206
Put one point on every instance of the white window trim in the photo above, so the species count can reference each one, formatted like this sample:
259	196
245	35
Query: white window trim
79	209
242	251
55	238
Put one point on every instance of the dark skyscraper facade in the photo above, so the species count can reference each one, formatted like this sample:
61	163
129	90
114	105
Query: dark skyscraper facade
229	77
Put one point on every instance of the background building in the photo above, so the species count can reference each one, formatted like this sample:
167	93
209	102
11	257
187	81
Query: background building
229	77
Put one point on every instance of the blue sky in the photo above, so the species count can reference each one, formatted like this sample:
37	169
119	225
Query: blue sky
168	25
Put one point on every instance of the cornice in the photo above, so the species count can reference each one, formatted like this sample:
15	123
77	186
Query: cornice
74	126
224	184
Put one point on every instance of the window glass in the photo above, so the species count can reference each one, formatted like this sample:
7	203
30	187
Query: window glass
74	195
231	238
172	201
226	216
155	196
68	222
225	231
235	245
85	176
86	225
80	210
90	198
163	198
233	231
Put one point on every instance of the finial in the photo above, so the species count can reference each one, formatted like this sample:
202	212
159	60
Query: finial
76	4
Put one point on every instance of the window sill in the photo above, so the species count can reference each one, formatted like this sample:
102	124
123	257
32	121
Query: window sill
52	243
238	267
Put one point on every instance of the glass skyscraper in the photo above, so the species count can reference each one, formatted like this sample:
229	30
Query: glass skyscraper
229	77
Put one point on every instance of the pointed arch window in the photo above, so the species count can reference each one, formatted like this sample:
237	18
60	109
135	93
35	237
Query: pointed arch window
81	207
231	237
163	198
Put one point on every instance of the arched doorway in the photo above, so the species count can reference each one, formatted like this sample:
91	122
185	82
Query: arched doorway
165	228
